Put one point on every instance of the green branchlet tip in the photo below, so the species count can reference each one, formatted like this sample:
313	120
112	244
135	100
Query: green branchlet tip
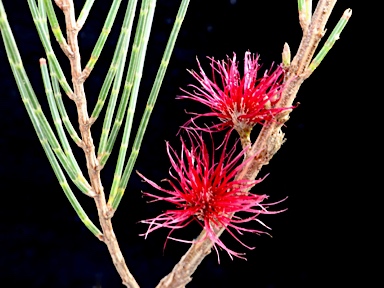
301	4
305	12
335	35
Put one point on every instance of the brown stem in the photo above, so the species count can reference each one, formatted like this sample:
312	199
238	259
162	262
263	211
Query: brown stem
312	37
93	166
181	273
268	142
112	244
59	3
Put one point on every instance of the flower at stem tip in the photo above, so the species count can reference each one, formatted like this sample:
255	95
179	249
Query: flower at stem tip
207	192
239	102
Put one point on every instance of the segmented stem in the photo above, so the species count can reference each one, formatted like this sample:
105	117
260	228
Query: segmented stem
103	35
27	95
55	27
63	112
115	196
138	54
335	35
40	23
117	66
305	13
79	180
84	13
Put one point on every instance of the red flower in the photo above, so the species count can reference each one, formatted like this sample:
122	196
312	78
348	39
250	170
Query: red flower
207	192
240	103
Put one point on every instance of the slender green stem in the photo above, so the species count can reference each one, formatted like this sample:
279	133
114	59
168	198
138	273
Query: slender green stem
305	13
139	48
102	38
308	10
84	13
63	112
74	174
53	61
27	96
43	15
64	184
107	141
335	35
301	5
104	92
112	104
40	24
305	7
124	36
118	62
79	180
54	111
56	27
127	28
115	198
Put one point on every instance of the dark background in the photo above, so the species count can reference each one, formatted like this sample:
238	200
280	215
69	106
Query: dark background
43	243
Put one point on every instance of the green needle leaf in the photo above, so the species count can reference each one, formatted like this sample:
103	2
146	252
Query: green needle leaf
335	35
39	122
116	195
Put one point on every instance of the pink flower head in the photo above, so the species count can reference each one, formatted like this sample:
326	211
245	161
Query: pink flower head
207	193
239	102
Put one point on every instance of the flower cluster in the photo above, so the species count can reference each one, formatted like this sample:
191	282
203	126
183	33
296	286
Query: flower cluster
239	102
208	190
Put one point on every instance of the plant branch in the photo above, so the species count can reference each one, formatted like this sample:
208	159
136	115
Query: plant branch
271	137
93	166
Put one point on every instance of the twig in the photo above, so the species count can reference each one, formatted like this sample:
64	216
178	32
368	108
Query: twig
271	137
59	3
93	167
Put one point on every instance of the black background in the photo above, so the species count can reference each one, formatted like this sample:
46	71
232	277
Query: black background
43	243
